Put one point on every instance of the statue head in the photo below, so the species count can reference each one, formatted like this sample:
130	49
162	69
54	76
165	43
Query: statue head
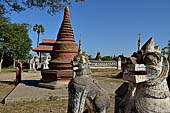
80	64
151	54
148	46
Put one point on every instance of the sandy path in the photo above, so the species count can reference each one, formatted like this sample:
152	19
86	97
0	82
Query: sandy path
10	76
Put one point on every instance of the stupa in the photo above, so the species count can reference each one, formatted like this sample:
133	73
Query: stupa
64	50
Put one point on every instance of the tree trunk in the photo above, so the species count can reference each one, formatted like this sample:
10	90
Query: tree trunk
38	39
1	62
14	63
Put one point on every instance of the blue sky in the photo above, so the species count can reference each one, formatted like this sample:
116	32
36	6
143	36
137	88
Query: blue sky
111	26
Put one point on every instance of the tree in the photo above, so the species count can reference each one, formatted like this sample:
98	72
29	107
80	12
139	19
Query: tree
90	57
123	59
52	6
39	29
166	50
107	58
20	42
4	23
14	40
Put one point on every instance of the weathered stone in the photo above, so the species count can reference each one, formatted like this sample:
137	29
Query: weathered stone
34	62
84	91
45	62
136	67
122	90
148	90
31	62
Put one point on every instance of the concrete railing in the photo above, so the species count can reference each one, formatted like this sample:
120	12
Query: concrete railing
96	63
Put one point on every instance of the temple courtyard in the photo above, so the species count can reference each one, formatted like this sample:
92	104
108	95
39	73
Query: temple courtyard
30	96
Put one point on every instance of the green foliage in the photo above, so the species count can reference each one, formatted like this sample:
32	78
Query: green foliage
15	41
90	57
21	43
4	28
123	58
166	50
52	6
39	29
107	58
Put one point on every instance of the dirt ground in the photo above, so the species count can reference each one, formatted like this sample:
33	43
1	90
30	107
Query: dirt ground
53	105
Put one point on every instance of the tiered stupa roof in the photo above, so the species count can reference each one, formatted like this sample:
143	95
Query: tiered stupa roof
64	50
66	31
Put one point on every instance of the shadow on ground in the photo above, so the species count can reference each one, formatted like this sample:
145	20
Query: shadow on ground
112	75
40	84
8	82
34	83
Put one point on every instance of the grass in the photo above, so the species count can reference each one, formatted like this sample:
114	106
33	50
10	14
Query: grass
11	69
5	89
42	106
8	69
53	105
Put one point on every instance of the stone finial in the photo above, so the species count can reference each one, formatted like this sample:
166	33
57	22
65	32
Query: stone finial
80	48
66	12
119	59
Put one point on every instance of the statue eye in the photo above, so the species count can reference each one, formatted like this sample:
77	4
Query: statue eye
150	59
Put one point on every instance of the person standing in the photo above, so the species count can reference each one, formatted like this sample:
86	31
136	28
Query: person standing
18	72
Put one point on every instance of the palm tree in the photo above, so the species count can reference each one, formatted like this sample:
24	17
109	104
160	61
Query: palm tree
39	29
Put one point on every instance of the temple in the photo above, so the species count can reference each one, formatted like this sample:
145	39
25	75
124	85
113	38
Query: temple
64	50
45	46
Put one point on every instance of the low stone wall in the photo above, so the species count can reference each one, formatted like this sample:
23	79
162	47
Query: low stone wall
104	64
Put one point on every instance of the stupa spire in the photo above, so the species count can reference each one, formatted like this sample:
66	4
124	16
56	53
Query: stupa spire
66	32
67	13
139	42
80	48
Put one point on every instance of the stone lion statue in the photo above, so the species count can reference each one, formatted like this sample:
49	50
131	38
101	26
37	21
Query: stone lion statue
85	95
147	90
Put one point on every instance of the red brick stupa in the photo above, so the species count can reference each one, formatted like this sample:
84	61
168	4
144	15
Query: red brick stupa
64	50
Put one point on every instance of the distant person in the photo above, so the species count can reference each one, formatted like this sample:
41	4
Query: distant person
18	72
20	65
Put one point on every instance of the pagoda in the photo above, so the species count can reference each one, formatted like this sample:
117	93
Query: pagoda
63	52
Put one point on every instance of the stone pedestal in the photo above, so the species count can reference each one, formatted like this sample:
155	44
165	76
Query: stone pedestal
56	75
64	50
119	64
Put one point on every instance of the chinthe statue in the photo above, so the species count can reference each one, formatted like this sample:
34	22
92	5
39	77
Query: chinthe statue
147	90
85	95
